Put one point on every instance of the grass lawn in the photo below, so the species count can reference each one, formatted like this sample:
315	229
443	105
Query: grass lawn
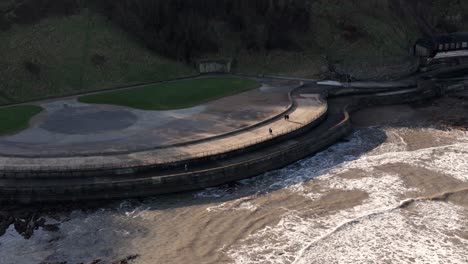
173	95
16	118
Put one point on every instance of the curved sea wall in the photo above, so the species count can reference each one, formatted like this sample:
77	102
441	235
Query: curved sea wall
52	186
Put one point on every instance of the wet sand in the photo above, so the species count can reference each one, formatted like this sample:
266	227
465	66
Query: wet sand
392	192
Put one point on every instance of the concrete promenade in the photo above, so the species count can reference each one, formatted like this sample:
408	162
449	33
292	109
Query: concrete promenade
314	125
67	127
306	109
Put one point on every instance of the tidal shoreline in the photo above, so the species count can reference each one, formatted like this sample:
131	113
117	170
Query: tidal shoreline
443	113
440	114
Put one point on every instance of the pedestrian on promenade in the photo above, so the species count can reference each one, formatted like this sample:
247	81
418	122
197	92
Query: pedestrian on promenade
271	131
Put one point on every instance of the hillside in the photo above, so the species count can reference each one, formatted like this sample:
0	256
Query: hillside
293	37
76	53
52	47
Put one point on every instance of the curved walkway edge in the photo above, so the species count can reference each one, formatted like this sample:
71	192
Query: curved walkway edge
50	186
292	105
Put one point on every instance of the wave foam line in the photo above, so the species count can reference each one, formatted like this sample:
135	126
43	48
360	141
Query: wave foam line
403	204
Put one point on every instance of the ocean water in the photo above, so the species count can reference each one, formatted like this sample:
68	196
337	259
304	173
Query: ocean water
368	199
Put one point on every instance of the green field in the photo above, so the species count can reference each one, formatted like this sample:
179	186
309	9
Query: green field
173	95
16	118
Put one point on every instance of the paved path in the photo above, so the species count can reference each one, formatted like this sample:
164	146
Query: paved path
70	128
451	54
308	107
370	85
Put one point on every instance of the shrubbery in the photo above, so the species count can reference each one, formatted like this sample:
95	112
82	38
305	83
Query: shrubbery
184	29
187	29
30	11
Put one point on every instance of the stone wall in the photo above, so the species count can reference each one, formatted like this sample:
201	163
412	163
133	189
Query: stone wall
378	70
215	66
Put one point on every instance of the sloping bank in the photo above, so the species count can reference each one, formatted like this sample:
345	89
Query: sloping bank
208	171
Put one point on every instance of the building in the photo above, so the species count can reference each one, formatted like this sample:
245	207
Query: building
429	47
215	66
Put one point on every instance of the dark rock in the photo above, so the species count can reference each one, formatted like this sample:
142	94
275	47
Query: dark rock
27	224
126	260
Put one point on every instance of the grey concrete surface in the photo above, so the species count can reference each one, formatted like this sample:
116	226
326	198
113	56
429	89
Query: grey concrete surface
69	127
307	109
85	120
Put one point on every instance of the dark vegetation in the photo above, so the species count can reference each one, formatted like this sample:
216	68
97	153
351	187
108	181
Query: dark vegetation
98	59
30	11
187	29
182	29
32	67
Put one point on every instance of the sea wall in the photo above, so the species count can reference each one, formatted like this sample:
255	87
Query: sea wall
178	182
107	185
